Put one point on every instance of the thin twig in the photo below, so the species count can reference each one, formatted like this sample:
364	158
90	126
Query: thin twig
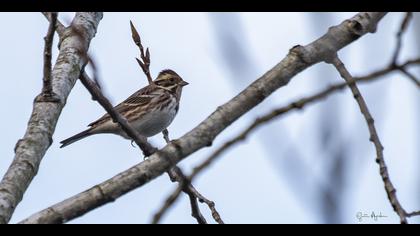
58	26
389	187
414	213
176	175
212	206
145	57
403	27
47	94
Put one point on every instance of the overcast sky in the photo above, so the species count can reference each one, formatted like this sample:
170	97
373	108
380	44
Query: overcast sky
256	181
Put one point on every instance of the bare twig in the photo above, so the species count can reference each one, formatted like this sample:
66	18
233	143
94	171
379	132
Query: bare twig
47	94
186	186
403	27
298	59
212	206
389	187
58	26
414	213
196	213
144	63
176	175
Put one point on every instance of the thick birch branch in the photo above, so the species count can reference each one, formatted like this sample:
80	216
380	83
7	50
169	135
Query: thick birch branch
30	150
298	59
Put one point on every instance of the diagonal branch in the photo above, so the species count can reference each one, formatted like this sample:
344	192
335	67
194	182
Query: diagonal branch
30	150
298	59
414	213
58	26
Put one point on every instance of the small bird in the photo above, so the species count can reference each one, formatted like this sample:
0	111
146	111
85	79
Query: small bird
150	110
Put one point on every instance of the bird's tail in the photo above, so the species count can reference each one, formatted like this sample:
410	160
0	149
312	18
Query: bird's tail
76	137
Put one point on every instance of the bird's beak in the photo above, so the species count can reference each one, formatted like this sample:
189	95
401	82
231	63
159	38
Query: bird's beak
183	83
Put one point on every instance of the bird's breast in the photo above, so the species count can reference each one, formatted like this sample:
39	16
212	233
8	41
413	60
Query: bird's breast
156	120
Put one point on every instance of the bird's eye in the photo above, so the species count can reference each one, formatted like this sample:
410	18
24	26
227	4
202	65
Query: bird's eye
172	80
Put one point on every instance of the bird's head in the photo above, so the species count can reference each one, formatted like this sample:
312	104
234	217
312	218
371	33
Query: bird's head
170	80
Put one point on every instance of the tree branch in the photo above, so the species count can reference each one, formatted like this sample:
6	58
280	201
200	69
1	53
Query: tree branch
403	27
176	175
414	213
298	59
47	94
144	63
389	187
30	150
184	185
58	26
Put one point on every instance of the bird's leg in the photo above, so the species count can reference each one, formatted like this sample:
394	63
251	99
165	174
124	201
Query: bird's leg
165	133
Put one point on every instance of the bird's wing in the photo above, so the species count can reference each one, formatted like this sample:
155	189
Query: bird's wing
139	98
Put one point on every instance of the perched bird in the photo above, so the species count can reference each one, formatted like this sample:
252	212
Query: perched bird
150	110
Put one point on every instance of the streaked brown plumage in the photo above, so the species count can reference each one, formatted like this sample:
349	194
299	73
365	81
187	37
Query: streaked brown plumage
150	110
